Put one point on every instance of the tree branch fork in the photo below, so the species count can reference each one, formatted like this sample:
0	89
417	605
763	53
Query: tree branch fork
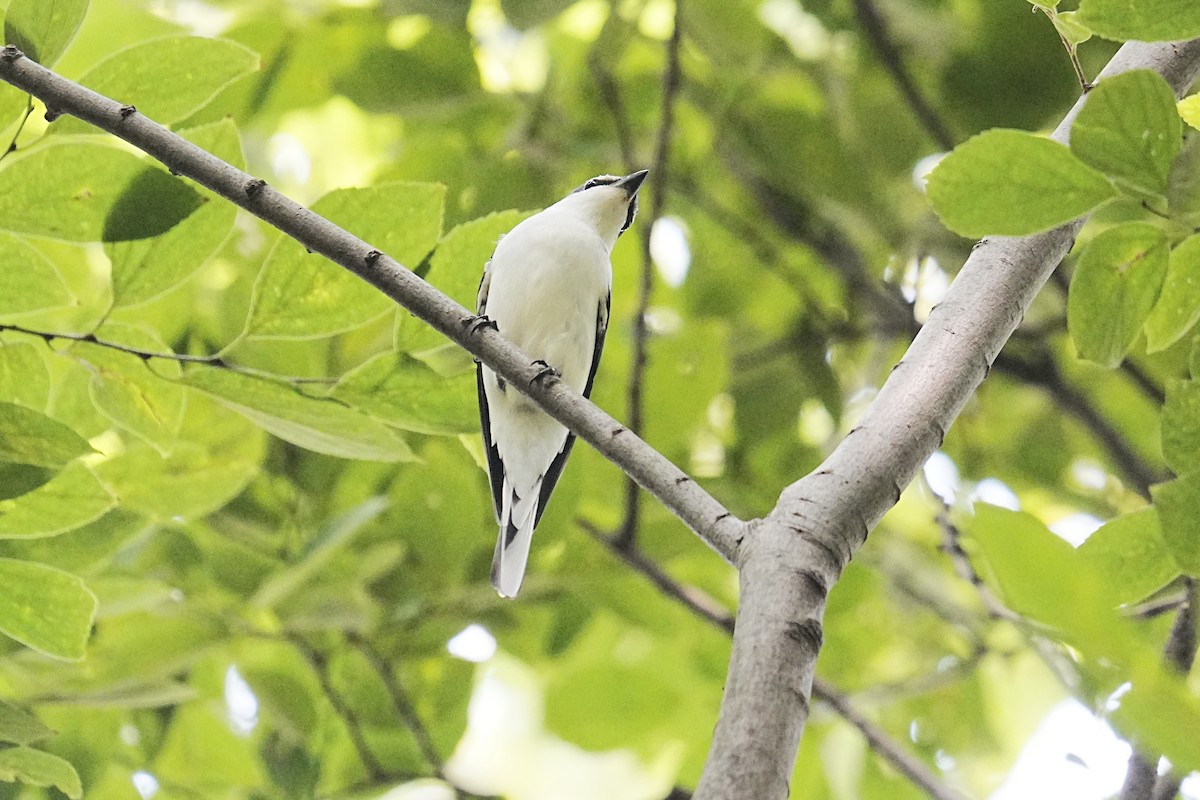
788	560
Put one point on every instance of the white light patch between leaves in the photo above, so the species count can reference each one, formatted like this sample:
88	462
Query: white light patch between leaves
921	170
1076	528
670	251
1071	754
145	784
942	475
240	702
995	492
473	643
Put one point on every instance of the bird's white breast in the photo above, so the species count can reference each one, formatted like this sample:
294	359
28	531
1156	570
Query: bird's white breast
549	277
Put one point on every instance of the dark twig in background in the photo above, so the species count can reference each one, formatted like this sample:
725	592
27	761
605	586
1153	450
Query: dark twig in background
709	610
672	80
875	28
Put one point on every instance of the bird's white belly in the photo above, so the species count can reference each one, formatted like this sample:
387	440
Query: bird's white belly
545	294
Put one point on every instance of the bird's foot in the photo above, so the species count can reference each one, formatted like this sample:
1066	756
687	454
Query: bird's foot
478	323
545	373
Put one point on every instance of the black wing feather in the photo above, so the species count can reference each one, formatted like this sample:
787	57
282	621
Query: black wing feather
554	472
495	464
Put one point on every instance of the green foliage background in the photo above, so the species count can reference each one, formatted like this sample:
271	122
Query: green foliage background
315	515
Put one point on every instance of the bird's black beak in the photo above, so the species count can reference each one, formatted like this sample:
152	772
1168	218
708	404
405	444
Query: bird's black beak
631	183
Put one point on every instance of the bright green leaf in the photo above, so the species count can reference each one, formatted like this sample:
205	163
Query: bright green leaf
81	549
28	280
1145	20
1181	426
42	29
325	426
1129	129
18	726
1129	555
406	393
46	609
72	499
30	437
87	191
1013	183
1178	306
302	295
215	456
24	377
1189	110
455	268
145	269
167	79
1178	504
1116	283
1070	29
201	749
128	391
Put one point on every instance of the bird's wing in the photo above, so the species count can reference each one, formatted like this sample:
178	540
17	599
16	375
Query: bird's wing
554	471
495	464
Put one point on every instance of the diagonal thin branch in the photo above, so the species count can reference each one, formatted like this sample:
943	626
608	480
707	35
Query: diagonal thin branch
875	27
710	520
659	178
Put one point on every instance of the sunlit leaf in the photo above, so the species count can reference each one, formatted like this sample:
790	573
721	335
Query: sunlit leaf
30	437
1116	283
1129	129
1013	183
46	609
1130	556
1146	20
406	393
42	29
18	726
28	280
1178	504
71	499
301	295
1178	306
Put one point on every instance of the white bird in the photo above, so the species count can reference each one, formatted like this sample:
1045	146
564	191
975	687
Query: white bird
546	289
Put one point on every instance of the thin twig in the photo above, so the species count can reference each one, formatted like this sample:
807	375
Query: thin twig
12	145
146	355
875	28
711	612
672	80
1179	654
400	701
319	664
1043	371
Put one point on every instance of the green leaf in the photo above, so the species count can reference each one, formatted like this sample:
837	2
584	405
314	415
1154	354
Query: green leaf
1070	29
167	79
145	269
1181	426
1116	283
302	295
325	426
216	455
1189	110
1145	20
42	29
455	268
39	768
30	437
87	191
127	391
81	549
24	377
1178	306
71	499
404	392
1129	555
46	609
18	726
1178	504
28	280
332	538
1129	129
526	14
1013	183
200	749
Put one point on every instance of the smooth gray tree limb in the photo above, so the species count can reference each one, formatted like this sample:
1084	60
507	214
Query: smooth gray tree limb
791	558
675	489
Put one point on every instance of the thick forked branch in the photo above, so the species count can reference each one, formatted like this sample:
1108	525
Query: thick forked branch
678	492
796	554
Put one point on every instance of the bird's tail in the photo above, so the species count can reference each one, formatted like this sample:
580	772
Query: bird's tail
517	518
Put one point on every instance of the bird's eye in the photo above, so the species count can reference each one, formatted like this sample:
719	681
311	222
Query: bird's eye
594	182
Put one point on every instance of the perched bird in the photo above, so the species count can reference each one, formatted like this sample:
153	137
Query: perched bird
547	290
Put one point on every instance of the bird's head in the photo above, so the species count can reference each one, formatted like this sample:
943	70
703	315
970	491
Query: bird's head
607	202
